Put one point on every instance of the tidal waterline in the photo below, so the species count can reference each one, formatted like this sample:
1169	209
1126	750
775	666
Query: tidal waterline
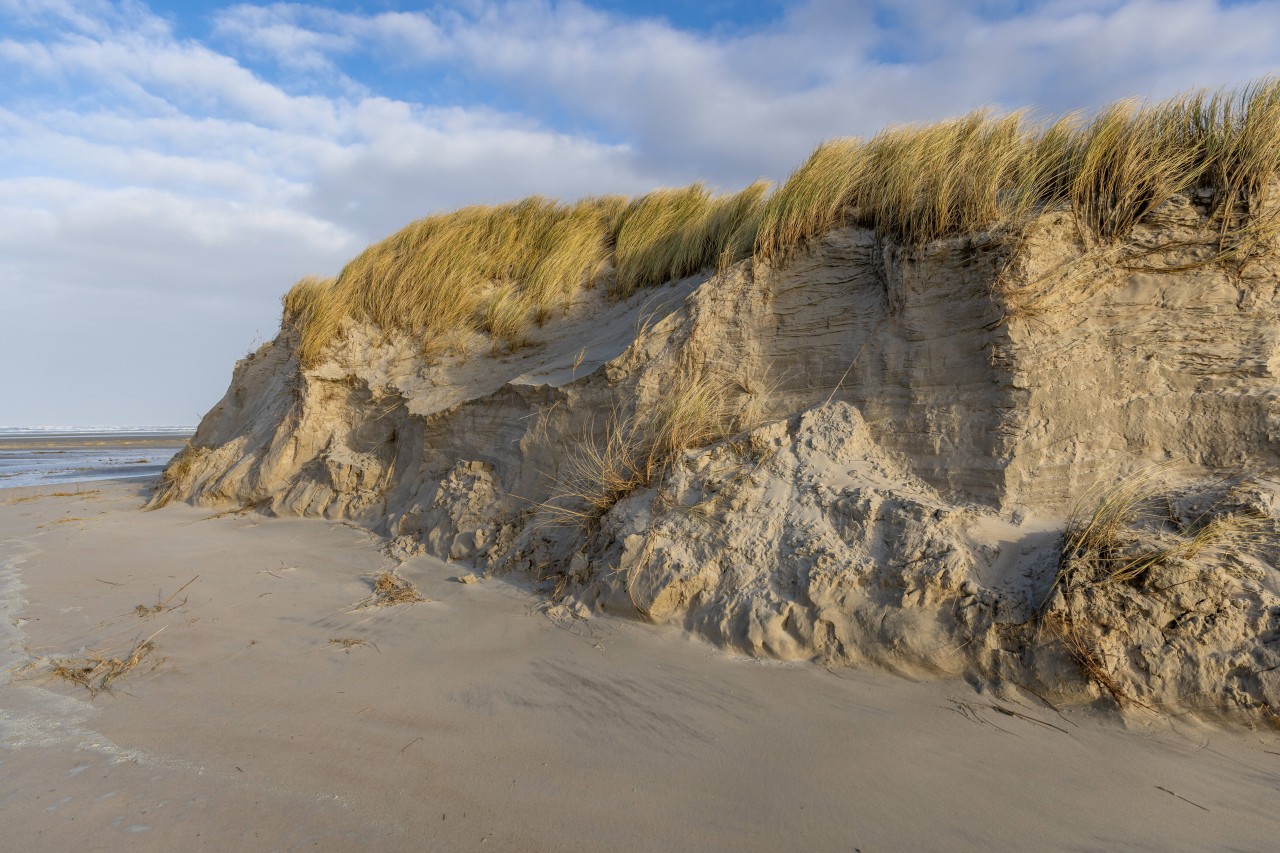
41	456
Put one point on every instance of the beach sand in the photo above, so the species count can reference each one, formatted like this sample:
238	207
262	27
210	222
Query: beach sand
475	720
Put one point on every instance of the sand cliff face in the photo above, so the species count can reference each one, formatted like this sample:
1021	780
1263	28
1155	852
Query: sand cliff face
911	429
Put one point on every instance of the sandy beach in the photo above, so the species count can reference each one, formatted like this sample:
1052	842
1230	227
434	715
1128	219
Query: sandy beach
274	714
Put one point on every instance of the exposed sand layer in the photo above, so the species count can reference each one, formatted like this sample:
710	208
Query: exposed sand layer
480	719
911	428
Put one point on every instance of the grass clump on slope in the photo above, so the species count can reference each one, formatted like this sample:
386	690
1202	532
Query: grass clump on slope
502	269
1125	552
636	451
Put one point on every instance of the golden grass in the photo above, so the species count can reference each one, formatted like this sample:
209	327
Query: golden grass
919	184
574	253
1237	134
672	233
813	201
506	317
481	268
916	184
313	306
500	270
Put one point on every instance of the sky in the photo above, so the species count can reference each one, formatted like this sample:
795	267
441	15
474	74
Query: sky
168	169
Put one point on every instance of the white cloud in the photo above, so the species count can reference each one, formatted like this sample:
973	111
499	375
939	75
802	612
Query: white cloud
309	38
270	32
732	107
154	187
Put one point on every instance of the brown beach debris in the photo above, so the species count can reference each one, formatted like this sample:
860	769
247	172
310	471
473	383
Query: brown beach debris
98	671
390	589
349	643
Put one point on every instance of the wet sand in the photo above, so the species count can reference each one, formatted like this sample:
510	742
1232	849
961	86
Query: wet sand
44	457
476	720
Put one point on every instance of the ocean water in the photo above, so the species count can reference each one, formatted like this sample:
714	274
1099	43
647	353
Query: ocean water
42	456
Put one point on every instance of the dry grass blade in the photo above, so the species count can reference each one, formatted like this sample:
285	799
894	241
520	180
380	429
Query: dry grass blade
349	643
166	604
390	589
969	710
97	672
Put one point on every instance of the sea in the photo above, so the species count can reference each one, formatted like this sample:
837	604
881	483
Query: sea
52	455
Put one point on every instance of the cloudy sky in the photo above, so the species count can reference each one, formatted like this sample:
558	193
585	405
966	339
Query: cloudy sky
168	169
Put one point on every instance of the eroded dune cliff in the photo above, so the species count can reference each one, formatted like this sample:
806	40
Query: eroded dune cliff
1031	457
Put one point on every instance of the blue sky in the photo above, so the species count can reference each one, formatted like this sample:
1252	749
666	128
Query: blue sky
168	169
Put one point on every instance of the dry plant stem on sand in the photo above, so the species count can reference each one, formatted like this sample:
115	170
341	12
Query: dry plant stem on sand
163	606
349	643
500	270
99	671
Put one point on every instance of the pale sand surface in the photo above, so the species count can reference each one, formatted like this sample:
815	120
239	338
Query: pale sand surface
473	721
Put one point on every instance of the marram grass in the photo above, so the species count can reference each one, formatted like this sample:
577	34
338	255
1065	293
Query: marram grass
500	270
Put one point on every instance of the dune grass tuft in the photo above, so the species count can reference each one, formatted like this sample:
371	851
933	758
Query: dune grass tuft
573	255
673	233
175	474
813	201
503	269
920	183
